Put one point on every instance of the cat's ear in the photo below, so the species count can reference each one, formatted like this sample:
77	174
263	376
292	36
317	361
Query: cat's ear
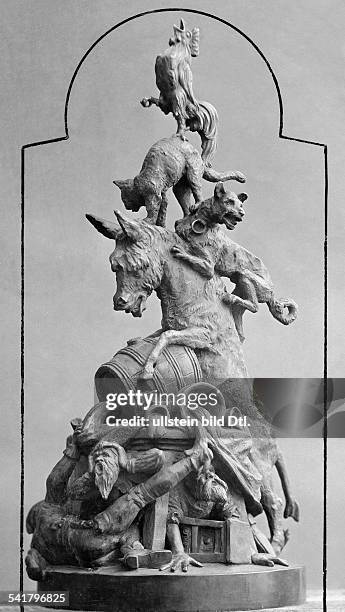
242	196
122	184
219	190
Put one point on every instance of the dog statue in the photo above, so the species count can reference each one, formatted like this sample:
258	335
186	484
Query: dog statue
210	251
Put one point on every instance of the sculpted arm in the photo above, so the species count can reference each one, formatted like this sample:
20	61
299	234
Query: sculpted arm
291	507
120	515
57	481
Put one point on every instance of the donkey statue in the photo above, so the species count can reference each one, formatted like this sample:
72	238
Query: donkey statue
194	313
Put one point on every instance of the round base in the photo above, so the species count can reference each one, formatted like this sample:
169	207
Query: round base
214	587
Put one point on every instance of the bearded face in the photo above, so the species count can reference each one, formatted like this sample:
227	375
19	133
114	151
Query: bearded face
212	488
104	463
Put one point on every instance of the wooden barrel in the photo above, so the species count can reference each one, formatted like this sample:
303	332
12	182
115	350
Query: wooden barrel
176	368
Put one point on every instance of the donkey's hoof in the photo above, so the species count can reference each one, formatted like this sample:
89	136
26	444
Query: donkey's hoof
148	372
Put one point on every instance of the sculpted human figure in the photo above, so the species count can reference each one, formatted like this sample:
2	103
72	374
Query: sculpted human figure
91	520
174	81
170	162
70	527
60	536
200	494
210	251
206	495
203	496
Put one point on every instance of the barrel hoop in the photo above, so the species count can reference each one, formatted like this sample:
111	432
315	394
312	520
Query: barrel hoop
150	340
134	354
195	363
141	361
131	352
126	378
172	361
175	366
159	380
192	356
118	370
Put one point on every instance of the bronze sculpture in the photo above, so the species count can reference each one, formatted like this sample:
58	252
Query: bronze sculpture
146	494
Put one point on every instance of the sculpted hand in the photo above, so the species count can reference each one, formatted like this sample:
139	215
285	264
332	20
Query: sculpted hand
72	450
181	561
76	523
267	559
201	455
292	509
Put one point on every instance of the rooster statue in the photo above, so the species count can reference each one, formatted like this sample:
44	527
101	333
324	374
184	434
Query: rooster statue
174	80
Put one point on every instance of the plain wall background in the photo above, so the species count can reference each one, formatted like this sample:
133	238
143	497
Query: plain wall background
70	325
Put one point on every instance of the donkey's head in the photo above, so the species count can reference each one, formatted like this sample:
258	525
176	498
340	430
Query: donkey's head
135	261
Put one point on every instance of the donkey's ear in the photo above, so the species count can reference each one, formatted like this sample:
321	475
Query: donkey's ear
107	228
219	190
242	197
129	227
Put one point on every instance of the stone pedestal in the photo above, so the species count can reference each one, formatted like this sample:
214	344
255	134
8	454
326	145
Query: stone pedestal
215	587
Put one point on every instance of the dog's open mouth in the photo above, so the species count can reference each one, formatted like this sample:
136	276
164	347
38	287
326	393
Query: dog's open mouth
230	222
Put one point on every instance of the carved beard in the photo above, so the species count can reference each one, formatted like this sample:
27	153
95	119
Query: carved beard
212	488
106	470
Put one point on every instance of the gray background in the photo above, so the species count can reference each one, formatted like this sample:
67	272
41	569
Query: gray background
70	325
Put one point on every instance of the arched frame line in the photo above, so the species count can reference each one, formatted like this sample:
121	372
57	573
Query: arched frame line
281	135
